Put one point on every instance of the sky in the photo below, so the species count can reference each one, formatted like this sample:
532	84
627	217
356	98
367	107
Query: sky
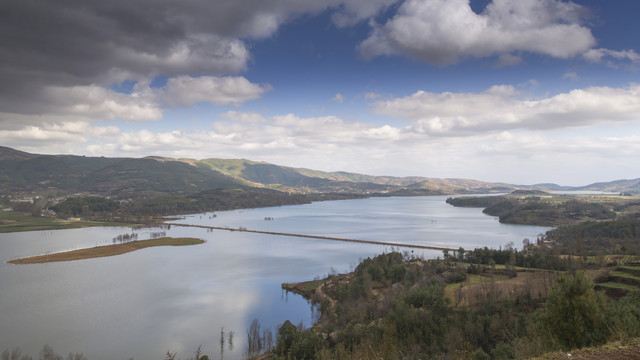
516	91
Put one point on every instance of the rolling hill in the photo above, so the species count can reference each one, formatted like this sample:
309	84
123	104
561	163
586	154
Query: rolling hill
149	177
125	177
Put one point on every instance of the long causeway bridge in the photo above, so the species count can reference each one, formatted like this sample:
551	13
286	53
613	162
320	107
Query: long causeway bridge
415	246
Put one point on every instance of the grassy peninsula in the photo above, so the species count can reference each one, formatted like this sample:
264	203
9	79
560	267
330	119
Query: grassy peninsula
109	250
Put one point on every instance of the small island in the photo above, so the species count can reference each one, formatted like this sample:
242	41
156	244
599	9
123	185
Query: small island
109	250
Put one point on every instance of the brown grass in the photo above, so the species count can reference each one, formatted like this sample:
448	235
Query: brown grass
470	294
620	350
109	250
534	283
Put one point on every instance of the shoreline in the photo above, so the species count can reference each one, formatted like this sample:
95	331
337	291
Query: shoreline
107	250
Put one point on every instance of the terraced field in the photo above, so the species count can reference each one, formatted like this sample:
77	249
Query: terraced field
620	281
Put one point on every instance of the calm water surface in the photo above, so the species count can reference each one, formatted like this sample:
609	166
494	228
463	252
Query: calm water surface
144	303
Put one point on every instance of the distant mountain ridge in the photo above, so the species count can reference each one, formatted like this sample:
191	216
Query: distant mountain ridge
22	172
266	174
630	186
624	186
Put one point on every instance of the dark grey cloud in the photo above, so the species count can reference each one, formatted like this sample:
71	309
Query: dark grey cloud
72	43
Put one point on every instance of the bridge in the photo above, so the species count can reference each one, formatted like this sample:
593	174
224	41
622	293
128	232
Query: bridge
385	243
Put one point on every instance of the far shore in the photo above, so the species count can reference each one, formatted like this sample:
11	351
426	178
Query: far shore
108	250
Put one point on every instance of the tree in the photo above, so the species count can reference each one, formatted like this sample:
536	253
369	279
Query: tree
254	341
575	315
47	353
461	254
286	335
15	354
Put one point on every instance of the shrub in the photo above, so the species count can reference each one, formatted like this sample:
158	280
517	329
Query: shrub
575	315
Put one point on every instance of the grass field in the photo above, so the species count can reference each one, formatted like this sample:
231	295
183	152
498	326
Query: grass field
474	290
625	275
631	268
109	250
11	221
617	285
304	287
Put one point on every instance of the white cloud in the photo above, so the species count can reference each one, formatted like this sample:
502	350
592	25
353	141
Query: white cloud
613	58
63	138
56	104
186	91
338	98
372	96
445	31
94	103
384	132
353	11
535	157
497	109
331	143
244	116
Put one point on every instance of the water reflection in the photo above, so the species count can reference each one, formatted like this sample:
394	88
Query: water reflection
143	303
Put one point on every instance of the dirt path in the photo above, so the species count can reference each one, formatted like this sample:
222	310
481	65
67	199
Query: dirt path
613	351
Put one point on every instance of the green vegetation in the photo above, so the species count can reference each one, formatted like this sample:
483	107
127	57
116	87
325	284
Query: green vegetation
617	285
122	177
11	221
575	315
109	250
540	208
394	306
488	303
225	199
592	238
100	211
533	211
85	206
479	304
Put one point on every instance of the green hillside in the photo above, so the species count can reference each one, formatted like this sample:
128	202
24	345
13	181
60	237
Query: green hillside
289	178
107	176
22	173
263	174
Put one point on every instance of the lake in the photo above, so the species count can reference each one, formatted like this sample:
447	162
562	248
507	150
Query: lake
141	304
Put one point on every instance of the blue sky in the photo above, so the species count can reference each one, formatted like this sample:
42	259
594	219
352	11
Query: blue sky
519	91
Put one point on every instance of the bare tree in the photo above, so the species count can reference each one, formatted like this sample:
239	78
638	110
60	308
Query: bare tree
254	339
15	354
230	340
47	353
76	356
267	339
221	343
